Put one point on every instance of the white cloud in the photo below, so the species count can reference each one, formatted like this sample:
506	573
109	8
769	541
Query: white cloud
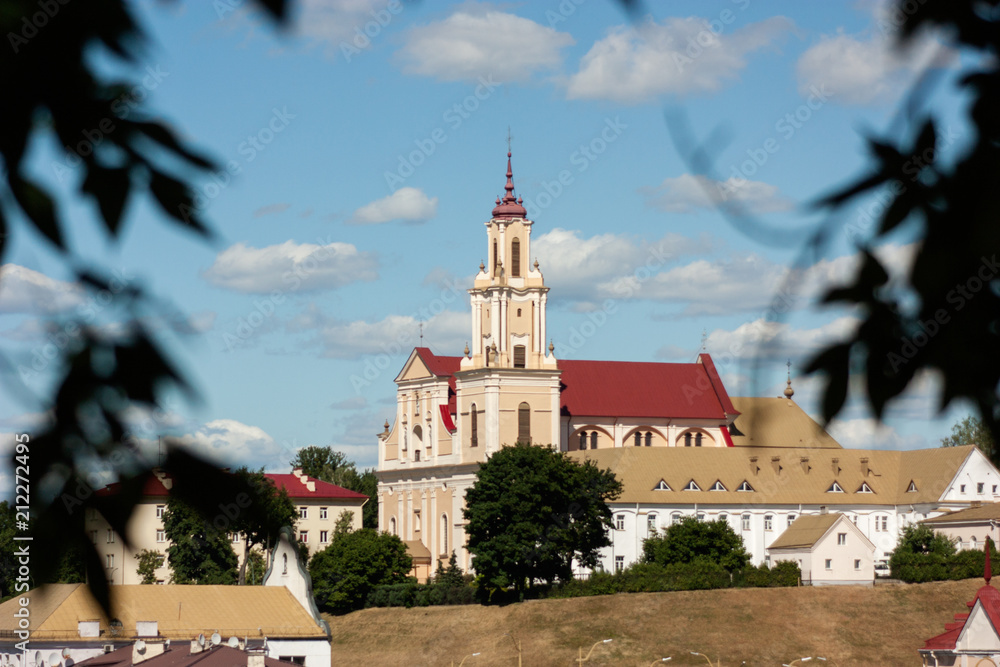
290	266
689	192
769	340
233	443
409	204
867	433
679	56
867	69
336	21
574	265
478	41
25	291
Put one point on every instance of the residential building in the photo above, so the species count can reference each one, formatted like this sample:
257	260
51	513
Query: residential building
829	550
319	505
970	527
670	431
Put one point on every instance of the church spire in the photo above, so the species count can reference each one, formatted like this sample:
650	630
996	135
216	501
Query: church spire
509	207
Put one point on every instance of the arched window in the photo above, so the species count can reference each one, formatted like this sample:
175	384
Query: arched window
687	439
418	435
416	521
518	356
583	440
495	258
593	439
675	518
651	523
392	525
473	427
515	258
973	544
444	535
697	440
638	439
524	423
649	439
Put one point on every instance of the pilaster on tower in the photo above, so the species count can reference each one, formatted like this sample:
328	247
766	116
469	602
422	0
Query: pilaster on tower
509	295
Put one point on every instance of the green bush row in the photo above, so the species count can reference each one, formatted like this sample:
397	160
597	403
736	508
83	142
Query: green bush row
921	567
700	574
412	594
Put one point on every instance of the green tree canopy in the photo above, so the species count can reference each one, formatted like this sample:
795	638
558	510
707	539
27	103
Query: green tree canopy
353	564
531	512
198	553
266	512
689	540
149	561
970	431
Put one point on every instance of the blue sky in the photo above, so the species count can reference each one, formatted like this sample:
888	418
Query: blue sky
361	150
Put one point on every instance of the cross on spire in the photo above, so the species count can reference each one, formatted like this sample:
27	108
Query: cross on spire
509	138
421	334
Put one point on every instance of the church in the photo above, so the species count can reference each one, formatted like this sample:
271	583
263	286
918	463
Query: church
670	431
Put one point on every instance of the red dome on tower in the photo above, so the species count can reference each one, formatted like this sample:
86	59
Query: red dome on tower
509	207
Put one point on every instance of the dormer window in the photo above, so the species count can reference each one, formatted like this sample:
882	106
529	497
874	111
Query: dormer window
864	488
692	486
745	486
912	488
835	488
718	486
661	486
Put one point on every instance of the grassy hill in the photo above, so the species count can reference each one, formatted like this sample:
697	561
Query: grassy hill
848	625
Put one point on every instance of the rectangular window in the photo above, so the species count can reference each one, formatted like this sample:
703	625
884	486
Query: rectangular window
768	522
980	487
857	564
93	536
745	521
161	536
841	539
885	524
619	522
109	560
303	512
518	356
994	488
323	512
236	538
651	523
416	454
829	564
791	520
111	536
304	536
619	563
323	537
961	488
159	511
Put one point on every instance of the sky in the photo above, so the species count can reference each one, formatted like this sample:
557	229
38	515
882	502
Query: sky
361	149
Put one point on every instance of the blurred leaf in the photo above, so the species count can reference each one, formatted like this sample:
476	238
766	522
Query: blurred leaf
162	135
38	206
110	186
176	200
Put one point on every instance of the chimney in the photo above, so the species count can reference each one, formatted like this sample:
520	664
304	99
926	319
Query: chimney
297	472
804	462
865	469
776	464
146	629
753	465
835	464
255	659
311	485
89	628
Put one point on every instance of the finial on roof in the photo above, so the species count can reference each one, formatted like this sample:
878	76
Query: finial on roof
536	264
789	392
552	347
386	426
510	207
987	569
466	349
482	267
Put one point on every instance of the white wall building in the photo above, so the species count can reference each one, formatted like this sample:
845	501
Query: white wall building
829	550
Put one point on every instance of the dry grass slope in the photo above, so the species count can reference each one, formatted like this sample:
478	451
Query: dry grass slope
849	625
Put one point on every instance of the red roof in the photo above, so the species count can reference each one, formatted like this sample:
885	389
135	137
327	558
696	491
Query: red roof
989	599
624	388
151	486
179	655
297	489
643	389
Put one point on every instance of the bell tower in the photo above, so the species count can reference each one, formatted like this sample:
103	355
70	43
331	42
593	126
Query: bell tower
509	295
508	383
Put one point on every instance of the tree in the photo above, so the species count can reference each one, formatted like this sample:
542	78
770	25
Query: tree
329	465
970	431
355	563
256	568
198	553
259	520
922	555
531	512
149	562
689	540
343	523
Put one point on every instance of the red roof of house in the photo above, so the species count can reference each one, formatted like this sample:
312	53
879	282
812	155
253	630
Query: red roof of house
987	596
297	489
180	656
624	388
152	486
